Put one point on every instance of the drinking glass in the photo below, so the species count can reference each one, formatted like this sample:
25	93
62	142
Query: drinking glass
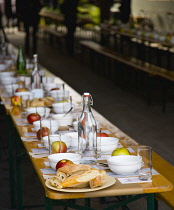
145	164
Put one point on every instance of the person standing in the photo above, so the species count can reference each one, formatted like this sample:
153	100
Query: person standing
125	10
28	13
69	10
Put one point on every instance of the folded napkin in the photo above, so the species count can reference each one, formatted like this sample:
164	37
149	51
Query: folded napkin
29	139
38	155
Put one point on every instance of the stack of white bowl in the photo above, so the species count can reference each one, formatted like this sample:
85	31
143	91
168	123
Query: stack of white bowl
124	164
107	144
55	158
63	120
48	86
10	89
46	123
60	108
42	111
60	94
8	80
25	95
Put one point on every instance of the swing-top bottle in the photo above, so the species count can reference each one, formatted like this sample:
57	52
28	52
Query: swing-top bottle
87	131
36	76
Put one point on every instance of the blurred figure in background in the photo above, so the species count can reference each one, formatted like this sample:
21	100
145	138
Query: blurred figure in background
69	9
9	14
28	12
125	11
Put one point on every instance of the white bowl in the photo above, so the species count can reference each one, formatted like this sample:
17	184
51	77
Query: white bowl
74	137
8	80
46	123
25	95
49	86
48	80
42	111
59	94
3	66
66	139
60	108
63	120
7	74
124	164
108	144
55	158
10	88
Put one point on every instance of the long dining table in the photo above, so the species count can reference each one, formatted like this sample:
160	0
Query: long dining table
128	187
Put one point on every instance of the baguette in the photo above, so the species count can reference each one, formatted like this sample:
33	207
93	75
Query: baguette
55	182
61	176
96	182
71	169
80	178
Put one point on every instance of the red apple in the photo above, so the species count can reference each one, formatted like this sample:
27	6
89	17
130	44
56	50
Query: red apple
44	131
63	163
33	117
56	88
102	135
15	100
58	147
21	90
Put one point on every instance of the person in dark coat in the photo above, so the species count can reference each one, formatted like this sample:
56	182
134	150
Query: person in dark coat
69	9
125	10
28	12
8	12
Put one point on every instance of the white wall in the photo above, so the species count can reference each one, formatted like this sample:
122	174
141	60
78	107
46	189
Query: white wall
157	10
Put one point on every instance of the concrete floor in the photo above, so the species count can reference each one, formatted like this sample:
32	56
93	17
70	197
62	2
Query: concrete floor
125	108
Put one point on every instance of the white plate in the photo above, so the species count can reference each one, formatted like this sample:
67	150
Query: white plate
109	181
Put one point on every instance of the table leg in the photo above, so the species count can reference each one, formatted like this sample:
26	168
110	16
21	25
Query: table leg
11	163
150	201
48	204
19	156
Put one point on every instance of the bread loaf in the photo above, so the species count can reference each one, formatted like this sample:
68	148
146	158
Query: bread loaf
80	178
61	176
71	169
96	182
54	181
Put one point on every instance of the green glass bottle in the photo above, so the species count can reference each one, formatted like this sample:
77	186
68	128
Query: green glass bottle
21	62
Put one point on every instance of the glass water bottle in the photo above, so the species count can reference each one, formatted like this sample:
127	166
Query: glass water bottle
87	132
36	76
21	62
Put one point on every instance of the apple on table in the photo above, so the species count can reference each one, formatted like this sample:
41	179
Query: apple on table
56	88
21	90
16	110
15	100
120	151
62	163
43	131
33	117
59	147
102	135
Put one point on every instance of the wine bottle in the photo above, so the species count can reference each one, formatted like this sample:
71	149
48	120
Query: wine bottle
21	62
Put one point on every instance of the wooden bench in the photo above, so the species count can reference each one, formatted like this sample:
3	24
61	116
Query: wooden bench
134	63
167	170
53	32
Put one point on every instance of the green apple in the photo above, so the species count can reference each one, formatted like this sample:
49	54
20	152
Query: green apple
63	101
120	151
